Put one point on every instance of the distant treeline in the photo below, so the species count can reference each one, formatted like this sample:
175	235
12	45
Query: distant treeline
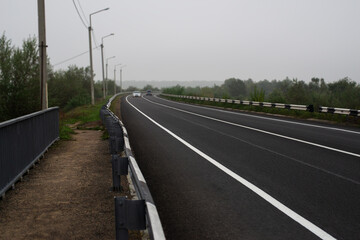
20	82
20	86
345	93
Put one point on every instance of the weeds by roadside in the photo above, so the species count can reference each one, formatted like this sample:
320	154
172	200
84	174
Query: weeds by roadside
83	117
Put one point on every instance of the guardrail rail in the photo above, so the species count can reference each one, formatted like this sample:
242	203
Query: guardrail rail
310	108
23	141
129	214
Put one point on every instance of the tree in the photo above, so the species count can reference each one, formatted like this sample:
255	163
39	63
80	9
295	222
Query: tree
257	95
235	87
70	88
297	93
150	87
131	89
345	93
177	90
19	78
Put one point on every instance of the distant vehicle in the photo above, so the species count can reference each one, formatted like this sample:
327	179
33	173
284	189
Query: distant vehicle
136	94
148	93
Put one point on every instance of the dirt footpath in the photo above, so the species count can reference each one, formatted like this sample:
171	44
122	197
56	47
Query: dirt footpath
66	196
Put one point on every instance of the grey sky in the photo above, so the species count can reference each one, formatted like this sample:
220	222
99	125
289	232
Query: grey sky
201	39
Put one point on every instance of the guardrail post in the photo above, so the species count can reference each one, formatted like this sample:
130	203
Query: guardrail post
119	167
129	215
354	112
310	108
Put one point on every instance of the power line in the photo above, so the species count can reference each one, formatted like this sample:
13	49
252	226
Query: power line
77	10
83	12
69	59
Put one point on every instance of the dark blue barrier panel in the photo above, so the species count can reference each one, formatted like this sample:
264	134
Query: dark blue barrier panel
22	141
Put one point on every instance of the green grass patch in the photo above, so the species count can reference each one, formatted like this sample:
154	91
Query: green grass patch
65	132
335	118
81	116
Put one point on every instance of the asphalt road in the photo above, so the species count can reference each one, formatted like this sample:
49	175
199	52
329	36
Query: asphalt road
218	174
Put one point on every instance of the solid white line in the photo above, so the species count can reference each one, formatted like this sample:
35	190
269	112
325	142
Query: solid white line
259	130
296	217
260	117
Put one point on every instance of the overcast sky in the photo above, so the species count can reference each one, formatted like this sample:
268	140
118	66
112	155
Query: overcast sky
212	40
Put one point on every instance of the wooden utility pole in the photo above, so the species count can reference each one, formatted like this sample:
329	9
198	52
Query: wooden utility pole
42	55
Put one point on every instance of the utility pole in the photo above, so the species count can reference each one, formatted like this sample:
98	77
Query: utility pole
115	77
114	80
91	68
91	60
120	79
106	83
102	62
42	54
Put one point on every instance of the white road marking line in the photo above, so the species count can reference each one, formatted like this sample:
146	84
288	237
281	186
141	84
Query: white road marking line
259	130
260	117
290	213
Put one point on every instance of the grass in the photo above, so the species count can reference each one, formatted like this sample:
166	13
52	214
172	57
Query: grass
335	118
80	116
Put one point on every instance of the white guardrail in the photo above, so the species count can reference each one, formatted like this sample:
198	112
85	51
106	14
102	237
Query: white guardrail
310	108
129	214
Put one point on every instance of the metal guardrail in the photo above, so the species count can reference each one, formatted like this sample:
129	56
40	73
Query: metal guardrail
310	108
130	214
23	141
344	111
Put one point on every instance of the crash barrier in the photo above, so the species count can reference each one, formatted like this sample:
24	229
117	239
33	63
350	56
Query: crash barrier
310	108
344	111
23	141
129	214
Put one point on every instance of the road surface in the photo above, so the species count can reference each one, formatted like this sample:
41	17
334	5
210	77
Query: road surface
217	174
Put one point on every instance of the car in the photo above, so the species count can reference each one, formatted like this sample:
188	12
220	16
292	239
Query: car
148	93
136	94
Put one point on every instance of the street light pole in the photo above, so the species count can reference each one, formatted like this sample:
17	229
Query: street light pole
114	80
106	83
121	77
115	77
91	60
42	54
102	61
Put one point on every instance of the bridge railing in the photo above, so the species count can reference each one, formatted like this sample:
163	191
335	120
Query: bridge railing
129	214
23	141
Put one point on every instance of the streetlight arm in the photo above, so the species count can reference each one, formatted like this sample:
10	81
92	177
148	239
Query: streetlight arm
96	13
99	11
117	65
109	58
102	39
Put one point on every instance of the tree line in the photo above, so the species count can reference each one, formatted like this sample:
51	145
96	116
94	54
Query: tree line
344	93
20	82
20	86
